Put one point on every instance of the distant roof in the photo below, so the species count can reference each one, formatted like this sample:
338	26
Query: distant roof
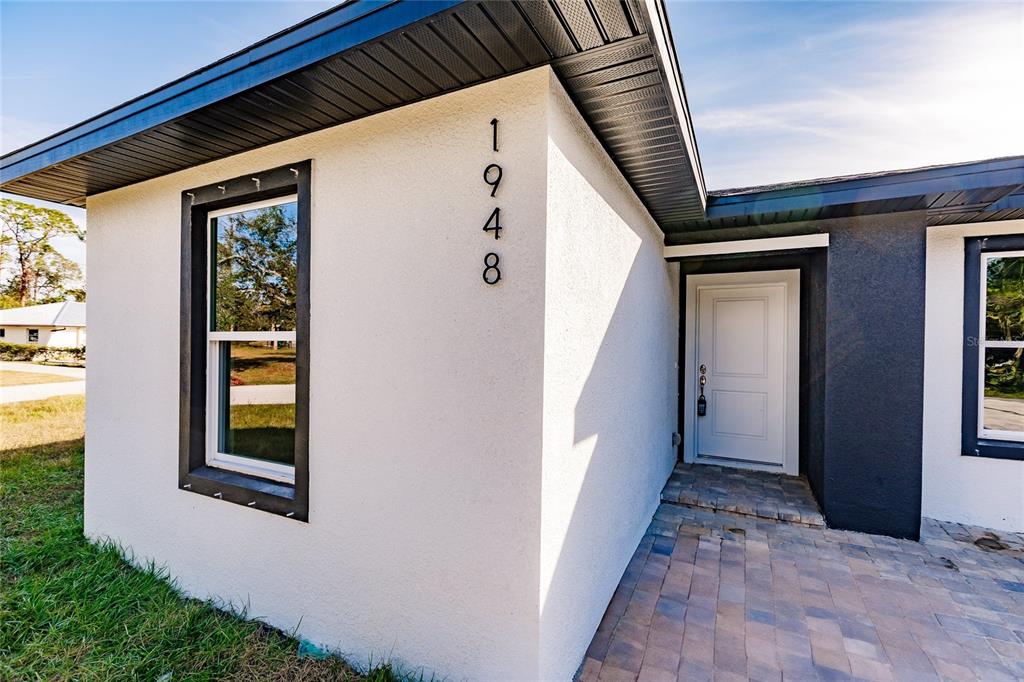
614	57
973	191
66	314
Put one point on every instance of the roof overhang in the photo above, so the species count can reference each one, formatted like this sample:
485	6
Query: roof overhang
616	60
976	191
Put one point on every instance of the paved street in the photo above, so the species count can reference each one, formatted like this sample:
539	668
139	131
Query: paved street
1004	413
72	372
716	595
263	394
17	394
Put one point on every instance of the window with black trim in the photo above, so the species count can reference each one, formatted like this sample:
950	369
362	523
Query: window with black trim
245	353
251	362
993	394
33	336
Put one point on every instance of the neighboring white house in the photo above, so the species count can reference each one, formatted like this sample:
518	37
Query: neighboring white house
463	254
50	325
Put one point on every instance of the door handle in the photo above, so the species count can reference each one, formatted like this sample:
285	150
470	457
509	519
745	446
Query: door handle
702	402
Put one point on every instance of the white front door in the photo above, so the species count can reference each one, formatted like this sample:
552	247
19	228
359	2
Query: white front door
743	339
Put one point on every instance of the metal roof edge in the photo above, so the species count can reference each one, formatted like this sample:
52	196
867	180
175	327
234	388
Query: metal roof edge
209	69
1002	172
660	34
896	175
308	42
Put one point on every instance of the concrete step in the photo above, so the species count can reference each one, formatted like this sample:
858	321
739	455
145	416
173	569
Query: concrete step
750	493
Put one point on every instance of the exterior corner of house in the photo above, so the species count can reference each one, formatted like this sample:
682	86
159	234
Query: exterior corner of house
972	490
609	402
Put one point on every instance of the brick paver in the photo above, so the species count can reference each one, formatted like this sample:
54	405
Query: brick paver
953	534
724	596
752	493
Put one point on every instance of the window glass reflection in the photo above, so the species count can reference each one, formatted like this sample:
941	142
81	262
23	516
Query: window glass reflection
1004	299
1003	403
254	269
257	411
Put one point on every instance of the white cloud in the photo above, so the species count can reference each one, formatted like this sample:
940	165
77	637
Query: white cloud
941	88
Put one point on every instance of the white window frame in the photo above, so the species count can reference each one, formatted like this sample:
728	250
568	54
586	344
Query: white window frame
983	344
274	471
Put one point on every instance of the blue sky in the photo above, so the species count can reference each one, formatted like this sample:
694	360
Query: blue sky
788	91
778	90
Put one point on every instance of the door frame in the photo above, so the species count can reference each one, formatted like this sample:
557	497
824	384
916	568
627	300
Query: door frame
790	278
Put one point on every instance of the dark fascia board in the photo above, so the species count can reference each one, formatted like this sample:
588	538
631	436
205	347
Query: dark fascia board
318	38
898	185
656	16
39	169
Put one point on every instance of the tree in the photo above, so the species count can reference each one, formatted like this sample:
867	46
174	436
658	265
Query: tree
31	269
256	270
1004	321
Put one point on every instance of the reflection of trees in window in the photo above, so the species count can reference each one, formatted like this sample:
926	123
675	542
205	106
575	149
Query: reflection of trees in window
1004	315
1004	321
256	270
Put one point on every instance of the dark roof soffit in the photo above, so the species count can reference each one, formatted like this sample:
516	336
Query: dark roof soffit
614	57
303	44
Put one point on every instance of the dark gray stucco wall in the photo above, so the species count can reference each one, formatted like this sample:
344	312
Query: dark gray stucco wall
813	310
874	374
862	364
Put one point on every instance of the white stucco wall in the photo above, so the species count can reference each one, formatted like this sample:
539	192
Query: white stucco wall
425	392
972	490
611	340
64	337
483	459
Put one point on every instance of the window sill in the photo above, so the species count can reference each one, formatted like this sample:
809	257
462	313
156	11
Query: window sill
996	449
258	493
253	468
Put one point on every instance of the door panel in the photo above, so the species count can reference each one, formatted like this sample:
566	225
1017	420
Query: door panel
739	414
739	335
741	341
743	331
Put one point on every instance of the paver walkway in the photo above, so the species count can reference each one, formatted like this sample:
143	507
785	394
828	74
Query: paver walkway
754	493
716	595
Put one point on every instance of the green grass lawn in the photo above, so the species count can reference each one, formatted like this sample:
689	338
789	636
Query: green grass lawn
257	363
18	378
264	431
70	610
996	393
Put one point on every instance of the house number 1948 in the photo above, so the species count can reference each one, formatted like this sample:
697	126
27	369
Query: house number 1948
492	177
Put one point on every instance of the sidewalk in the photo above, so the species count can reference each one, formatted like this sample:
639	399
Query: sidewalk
18	394
74	372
